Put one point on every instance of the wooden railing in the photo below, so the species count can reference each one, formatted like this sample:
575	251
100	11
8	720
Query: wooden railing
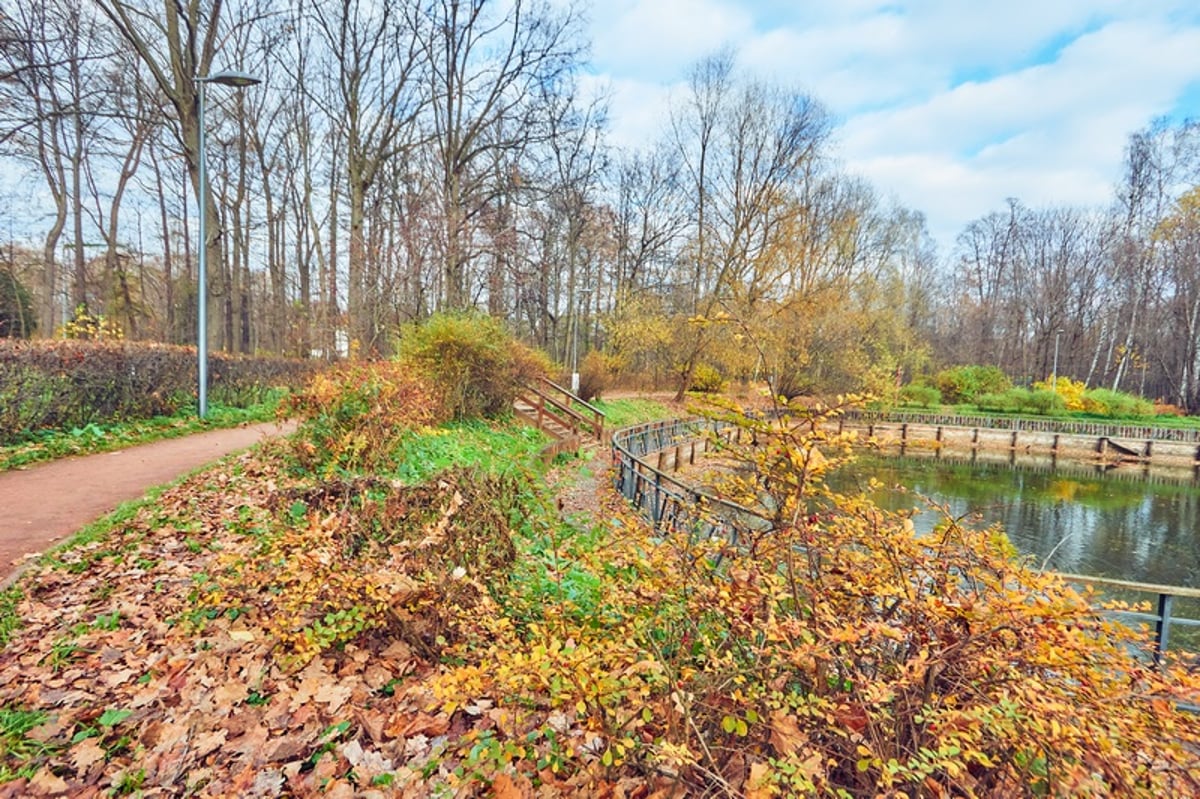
669	503
571	401
560	418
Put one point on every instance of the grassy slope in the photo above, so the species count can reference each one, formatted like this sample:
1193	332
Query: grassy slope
138	586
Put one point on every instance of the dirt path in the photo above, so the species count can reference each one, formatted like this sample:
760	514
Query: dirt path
41	505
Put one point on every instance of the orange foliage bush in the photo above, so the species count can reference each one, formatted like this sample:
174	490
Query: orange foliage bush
345	558
353	415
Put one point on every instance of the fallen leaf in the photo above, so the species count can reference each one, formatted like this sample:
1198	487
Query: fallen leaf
758	786
504	788
45	782
333	695
403	726
85	753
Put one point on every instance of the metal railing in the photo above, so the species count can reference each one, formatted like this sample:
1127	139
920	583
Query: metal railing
674	505
1027	424
1163	600
667	502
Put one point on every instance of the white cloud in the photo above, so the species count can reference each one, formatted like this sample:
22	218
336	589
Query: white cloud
656	39
949	106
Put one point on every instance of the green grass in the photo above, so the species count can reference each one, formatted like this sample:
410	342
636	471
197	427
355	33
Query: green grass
490	447
21	754
48	445
10	621
625	412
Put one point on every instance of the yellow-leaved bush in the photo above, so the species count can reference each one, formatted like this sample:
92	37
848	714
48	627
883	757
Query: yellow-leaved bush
835	654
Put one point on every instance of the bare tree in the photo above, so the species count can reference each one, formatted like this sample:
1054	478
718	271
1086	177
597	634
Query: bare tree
485	74
370	95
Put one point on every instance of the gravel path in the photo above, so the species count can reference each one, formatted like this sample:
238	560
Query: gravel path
43	504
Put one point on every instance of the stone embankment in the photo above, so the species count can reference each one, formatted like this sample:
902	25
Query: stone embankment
1099	443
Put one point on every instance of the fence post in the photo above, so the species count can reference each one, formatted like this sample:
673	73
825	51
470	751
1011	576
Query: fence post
656	508
1162	627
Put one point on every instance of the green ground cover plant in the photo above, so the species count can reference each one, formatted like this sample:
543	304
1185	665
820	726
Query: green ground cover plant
986	390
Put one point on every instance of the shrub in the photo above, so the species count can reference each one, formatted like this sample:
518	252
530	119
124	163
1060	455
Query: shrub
791	384
967	383
595	375
921	395
841	655
472	362
67	384
1116	404
354	415
1071	391
1045	402
706	380
346	557
1011	401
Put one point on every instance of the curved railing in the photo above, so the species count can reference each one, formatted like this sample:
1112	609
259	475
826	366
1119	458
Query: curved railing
671	504
667	502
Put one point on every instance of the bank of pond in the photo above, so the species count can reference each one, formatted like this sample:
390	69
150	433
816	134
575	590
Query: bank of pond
1125	523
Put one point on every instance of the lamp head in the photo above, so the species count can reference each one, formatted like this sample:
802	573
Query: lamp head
231	78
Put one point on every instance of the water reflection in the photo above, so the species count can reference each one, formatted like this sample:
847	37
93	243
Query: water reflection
1124	524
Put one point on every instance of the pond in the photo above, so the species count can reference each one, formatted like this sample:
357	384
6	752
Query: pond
1125	524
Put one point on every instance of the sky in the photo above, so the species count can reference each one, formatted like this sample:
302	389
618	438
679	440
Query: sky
949	107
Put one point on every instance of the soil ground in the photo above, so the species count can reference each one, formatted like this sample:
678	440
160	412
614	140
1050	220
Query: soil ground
43	504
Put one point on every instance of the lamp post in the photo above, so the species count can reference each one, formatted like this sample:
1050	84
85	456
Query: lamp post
584	294
1054	370
237	80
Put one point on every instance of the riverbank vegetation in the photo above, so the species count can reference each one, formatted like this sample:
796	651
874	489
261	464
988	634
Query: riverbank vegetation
987	390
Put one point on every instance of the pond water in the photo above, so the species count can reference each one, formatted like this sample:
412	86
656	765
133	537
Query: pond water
1124	524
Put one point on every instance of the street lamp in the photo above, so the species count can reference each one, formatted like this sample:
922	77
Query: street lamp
584	294
237	80
1054	371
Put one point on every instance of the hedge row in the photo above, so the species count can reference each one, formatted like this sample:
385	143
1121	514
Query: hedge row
66	384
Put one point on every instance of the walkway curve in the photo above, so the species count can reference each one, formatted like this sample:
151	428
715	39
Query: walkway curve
44	504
